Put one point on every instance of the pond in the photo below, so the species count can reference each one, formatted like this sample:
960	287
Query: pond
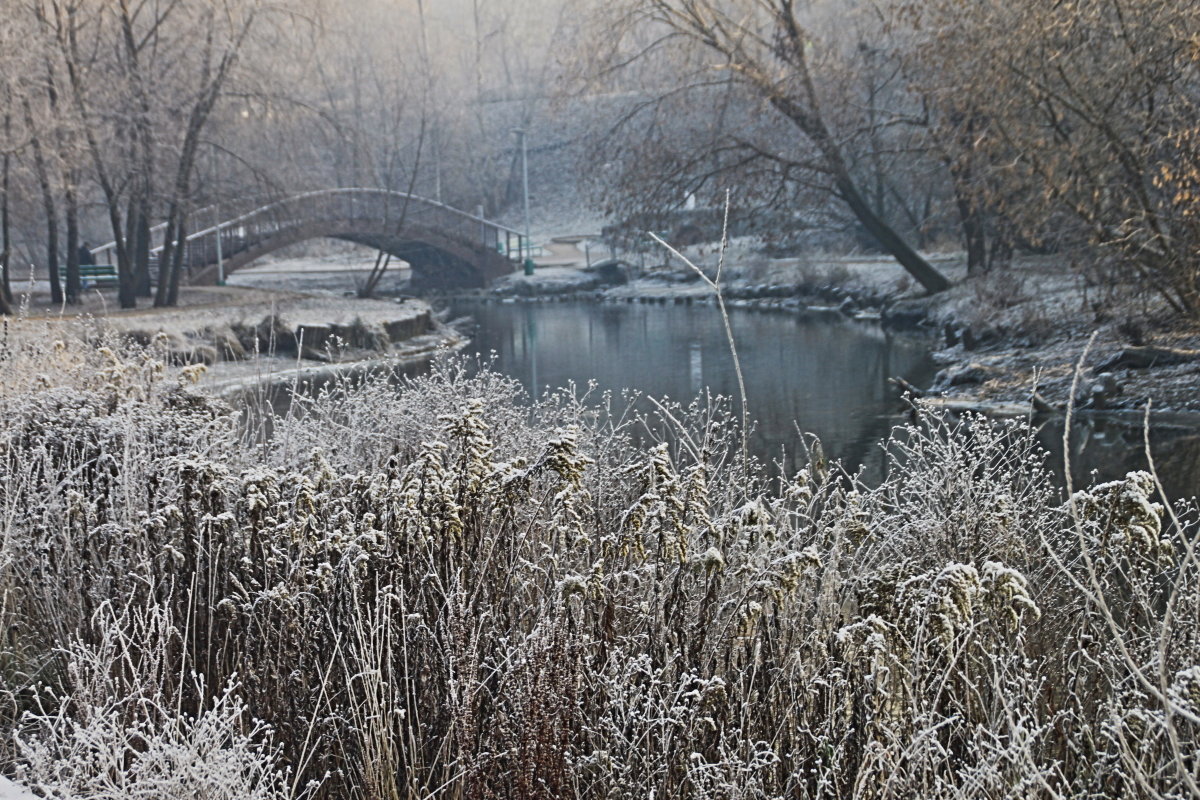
820	373
816	372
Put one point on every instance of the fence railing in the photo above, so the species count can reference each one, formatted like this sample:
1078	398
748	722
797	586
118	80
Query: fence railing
376	208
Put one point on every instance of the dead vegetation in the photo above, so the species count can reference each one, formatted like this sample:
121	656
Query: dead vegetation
448	591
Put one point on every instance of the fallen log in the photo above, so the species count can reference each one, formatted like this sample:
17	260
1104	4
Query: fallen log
1147	356
1041	405
905	387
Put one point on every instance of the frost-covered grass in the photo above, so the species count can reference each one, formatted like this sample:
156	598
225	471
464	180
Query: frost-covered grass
448	591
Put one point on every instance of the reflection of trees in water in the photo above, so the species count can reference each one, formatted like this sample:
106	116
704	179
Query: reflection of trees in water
829	375
1179	466
1106	449
818	373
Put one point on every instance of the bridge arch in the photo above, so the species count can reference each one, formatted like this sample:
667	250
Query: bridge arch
446	247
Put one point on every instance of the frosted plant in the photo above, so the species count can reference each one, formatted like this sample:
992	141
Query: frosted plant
738	770
712	560
118	733
657	515
878	653
697	502
105	755
1184	693
1005	593
952	600
445	589
962	489
563	457
469	430
428	490
1120	518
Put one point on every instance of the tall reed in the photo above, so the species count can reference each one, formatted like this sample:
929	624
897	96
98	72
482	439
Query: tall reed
445	589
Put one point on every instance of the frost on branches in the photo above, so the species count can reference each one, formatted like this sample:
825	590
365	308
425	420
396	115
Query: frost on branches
446	588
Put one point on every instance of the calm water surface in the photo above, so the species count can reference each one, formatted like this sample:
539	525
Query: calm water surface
817	372
820	373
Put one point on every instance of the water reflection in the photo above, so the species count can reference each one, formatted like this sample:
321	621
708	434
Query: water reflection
1104	447
818	373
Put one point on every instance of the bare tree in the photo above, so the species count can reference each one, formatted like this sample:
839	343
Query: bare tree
134	72
216	62
1073	116
5	223
12	142
49	206
771	52
6	156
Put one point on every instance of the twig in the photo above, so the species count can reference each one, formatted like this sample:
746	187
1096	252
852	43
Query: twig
715	285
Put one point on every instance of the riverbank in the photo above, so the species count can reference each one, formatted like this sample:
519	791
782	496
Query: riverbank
1009	339
1006	341
258	331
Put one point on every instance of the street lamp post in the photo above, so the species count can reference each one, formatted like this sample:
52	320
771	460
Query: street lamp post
220	256
527	260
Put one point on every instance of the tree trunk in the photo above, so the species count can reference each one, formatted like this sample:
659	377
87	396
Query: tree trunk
6	298
43	179
971	216
122	248
142	250
1001	252
974	233
68	49
113	204
808	121
170	263
177	261
888	239
166	259
112	193
171	260
74	283
56	289
127	273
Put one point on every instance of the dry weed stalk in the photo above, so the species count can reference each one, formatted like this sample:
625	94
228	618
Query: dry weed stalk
442	590
714	283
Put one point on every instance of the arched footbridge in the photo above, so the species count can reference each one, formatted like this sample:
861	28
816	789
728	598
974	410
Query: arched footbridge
446	247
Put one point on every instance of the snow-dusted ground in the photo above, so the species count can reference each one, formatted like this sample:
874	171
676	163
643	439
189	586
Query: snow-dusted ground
13	791
563	262
325	267
310	289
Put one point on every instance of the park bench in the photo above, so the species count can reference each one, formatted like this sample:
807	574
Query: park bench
97	275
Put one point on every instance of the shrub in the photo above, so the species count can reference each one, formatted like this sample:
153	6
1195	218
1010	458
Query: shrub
443	587
119	731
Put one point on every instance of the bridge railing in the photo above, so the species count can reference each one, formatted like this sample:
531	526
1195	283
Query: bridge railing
379	207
